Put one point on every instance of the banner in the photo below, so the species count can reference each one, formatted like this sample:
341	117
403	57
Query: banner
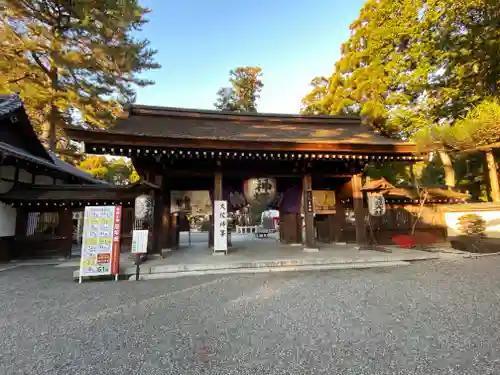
101	241
220	226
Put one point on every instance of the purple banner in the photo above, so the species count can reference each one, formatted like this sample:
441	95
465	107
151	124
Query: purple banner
292	199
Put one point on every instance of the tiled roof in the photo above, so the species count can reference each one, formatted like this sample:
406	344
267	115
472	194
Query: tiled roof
71	169
165	122
57	165
73	192
9	104
32	150
377	185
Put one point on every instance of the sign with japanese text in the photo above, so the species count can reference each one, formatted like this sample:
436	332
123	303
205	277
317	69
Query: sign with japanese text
309	201
101	241
376	204
139	241
220	225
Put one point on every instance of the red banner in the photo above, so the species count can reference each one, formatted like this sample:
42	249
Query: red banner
115	258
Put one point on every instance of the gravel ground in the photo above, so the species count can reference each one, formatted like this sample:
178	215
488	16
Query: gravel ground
439	317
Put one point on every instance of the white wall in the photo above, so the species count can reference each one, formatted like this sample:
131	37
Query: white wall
492	219
7	220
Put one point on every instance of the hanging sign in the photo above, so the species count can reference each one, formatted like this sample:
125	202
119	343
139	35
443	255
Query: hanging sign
309	201
220	226
101	241
139	241
376	204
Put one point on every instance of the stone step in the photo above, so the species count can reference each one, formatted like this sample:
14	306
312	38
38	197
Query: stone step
297	268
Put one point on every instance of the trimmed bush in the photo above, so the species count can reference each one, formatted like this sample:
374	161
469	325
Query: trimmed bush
471	225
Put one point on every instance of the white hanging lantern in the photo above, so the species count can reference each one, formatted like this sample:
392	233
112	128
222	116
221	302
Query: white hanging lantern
376	204
143	207
260	190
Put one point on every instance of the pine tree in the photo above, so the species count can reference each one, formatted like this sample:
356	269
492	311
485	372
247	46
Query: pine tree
72	60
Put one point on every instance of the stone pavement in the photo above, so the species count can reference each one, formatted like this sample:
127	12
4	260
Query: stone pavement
249	254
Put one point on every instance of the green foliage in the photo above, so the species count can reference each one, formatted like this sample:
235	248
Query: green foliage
242	95
315	103
481	127
72	59
412	63
116	171
471	225
396	173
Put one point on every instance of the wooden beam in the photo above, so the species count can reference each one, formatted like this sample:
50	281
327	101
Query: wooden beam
218	186
158	229
95	139
493	176
246	174
479	148
309	241
339	216
359	209
218	195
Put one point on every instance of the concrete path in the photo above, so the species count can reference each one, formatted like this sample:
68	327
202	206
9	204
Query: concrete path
250	255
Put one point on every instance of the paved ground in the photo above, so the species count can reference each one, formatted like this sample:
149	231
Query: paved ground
250	252
433	317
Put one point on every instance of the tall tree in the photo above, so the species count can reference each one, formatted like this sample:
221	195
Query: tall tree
315	102
412	63
72	60
242	95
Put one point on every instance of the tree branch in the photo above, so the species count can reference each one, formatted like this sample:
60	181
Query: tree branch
40	63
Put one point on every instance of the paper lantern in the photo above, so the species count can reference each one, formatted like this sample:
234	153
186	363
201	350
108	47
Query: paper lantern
376	204
143	208
260	191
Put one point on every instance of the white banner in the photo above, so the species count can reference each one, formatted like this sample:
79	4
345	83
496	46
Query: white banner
220	226
100	241
140	241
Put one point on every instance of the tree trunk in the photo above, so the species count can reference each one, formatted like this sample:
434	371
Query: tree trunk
493	176
49	129
449	172
54	117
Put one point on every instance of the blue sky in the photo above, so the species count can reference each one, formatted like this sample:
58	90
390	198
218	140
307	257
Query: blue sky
199	41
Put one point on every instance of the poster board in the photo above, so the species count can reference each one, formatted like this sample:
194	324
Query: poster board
101	241
220	226
139	241
324	201
194	202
